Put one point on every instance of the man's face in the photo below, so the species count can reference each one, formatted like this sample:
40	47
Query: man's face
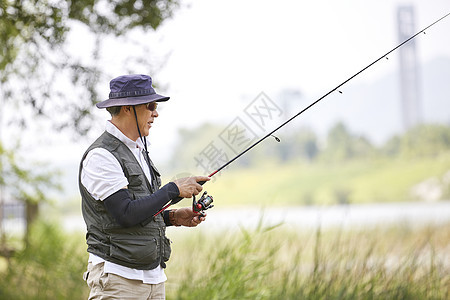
146	114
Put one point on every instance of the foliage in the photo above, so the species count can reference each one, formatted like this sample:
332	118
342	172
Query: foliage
340	145
426	141
421	141
50	267
301	143
20	182
25	183
34	55
189	147
275	263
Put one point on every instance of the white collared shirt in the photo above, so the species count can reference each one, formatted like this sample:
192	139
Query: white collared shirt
102	176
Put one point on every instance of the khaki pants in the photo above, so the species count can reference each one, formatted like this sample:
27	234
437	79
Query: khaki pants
111	286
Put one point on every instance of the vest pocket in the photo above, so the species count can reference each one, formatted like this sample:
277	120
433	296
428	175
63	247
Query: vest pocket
166	251
135	249
135	176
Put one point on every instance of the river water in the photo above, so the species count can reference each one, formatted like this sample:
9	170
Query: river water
342	216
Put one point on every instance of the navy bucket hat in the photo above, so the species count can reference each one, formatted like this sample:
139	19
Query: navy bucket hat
131	90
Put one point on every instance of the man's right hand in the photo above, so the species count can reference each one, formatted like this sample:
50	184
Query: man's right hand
189	186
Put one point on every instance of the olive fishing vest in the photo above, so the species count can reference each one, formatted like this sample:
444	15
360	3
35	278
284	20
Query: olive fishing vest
143	246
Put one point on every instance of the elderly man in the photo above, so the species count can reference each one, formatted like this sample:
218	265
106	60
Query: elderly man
121	195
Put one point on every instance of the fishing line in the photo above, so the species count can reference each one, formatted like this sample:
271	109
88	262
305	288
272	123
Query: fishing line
327	94
384	56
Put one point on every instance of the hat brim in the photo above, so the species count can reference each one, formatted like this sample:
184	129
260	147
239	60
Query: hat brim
132	100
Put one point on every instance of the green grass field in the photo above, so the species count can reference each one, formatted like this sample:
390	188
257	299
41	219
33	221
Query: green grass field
378	180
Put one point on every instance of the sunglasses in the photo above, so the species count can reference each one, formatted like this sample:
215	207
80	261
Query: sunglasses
151	106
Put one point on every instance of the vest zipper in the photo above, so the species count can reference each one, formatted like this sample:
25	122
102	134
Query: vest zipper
160	241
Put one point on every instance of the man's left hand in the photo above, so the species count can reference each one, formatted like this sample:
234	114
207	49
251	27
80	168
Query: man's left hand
186	217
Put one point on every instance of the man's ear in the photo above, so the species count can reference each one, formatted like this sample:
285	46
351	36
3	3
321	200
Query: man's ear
126	109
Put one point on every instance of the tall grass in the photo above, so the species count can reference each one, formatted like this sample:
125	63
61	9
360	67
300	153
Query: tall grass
273	263
400	262
49	267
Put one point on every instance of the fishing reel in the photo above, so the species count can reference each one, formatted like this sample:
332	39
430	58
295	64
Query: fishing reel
202	204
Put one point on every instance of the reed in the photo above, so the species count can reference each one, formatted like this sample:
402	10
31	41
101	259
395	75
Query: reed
278	262
275	263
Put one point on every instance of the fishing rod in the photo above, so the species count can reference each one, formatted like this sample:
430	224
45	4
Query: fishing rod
206	200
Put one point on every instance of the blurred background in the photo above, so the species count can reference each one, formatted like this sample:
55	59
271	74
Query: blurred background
366	171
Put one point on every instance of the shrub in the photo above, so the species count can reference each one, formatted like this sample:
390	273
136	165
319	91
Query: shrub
49	267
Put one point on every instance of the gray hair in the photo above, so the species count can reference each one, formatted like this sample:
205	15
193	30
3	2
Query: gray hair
114	110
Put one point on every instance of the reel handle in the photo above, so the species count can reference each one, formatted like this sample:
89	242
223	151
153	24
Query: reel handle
197	209
201	212
203	204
